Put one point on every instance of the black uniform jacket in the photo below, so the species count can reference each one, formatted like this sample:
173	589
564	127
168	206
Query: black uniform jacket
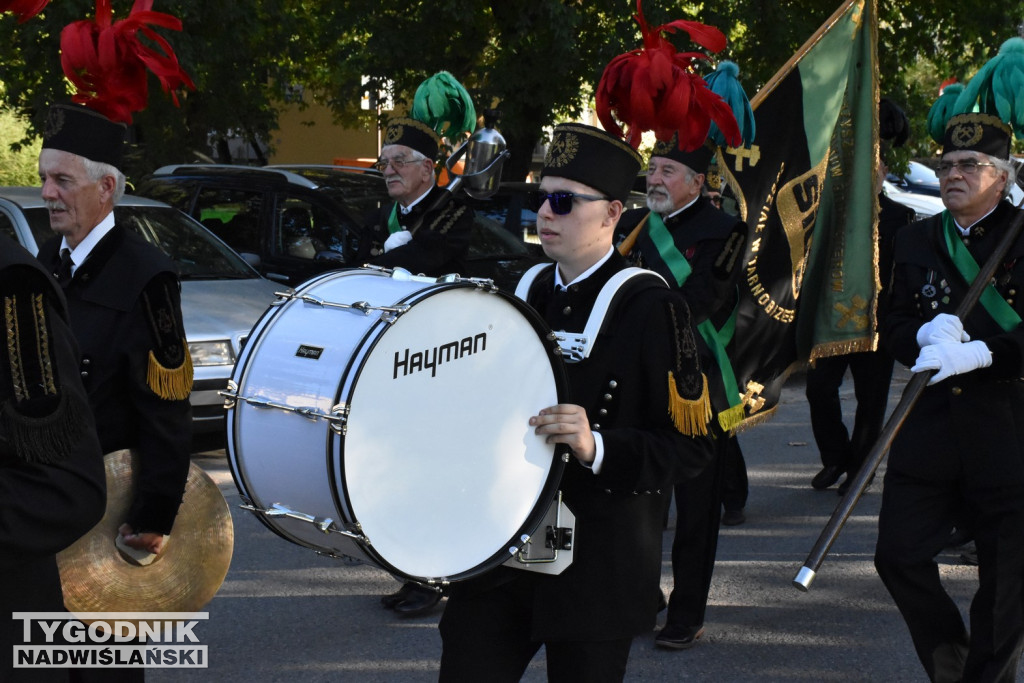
125	307
975	419
610	590
439	245
712	242
52	486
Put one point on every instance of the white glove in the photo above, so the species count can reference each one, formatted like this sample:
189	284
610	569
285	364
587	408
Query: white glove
943	328
397	239
952	359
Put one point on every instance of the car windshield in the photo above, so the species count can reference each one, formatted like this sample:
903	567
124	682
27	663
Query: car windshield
491	240
198	254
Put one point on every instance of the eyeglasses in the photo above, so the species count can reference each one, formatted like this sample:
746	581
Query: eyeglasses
969	167
561	202
397	163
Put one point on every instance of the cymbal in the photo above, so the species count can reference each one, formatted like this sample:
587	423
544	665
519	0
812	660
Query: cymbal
185	576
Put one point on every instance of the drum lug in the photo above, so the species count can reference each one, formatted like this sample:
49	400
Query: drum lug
230	394
339	419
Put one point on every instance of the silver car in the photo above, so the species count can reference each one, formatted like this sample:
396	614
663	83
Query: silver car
222	297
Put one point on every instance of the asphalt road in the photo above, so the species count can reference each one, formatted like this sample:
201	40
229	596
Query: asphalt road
285	613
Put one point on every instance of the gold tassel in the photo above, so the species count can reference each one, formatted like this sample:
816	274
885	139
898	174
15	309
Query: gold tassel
170	384
731	418
690	416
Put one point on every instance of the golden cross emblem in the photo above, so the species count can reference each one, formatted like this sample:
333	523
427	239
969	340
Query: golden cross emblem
855	313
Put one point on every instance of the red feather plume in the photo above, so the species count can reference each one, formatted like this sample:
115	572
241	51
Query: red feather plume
657	88
25	9
107	62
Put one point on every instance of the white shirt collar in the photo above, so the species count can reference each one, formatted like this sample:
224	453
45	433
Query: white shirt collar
966	231
85	247
585	274
407	209
681	209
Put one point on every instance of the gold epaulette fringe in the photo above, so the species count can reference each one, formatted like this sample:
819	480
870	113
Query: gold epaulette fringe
170	384
731	418
690	416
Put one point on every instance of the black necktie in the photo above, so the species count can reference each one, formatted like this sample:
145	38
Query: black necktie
63	273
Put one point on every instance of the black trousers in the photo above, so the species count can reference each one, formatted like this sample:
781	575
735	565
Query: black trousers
695	543
487	637
914	525
872	373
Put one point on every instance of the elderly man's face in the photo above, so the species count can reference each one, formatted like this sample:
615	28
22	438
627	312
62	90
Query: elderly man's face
671	185
76	202
970	194
406	178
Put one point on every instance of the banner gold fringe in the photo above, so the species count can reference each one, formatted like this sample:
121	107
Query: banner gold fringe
690	416
844	347
170	384
731	418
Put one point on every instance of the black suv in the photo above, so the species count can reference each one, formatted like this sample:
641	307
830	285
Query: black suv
293	222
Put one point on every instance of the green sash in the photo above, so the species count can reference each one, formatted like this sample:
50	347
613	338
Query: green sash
993	303
717	340
393	225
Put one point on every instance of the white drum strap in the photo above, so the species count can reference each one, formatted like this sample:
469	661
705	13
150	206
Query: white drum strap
577	345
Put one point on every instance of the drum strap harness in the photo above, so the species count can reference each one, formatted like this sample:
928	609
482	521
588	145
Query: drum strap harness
576	346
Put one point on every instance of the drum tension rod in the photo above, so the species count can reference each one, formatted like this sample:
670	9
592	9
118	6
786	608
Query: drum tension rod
324	524
363	307
337	418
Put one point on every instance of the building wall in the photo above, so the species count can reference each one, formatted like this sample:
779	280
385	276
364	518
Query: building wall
311	137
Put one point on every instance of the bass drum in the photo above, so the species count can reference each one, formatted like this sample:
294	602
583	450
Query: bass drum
385	417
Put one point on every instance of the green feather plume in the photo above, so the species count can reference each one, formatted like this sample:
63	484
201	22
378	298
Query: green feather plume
998	87
725	83
443	104
943	110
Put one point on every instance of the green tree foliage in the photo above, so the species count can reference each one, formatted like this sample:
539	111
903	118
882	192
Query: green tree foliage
238	54
531	60
19	165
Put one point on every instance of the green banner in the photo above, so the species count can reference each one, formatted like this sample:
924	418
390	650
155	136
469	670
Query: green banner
807	191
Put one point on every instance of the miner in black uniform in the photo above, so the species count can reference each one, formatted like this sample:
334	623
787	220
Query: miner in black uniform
698	249
961	450
423	230
632	423
52	485
125	308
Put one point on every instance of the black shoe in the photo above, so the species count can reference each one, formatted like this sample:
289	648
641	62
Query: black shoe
678	637
389	601
969	553
420	601
733	517
828	476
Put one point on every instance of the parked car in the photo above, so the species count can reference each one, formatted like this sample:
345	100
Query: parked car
924	205
222	297
292	222
919	179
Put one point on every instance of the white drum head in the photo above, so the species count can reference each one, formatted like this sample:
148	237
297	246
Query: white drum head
440	466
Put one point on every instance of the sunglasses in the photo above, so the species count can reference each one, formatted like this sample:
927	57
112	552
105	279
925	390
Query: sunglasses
560	202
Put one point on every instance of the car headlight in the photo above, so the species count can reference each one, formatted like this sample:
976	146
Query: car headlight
211	353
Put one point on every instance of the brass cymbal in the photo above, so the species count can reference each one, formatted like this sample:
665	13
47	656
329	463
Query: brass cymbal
186	575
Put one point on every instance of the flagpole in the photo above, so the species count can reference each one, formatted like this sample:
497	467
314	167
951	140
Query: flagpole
768	87
911	394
